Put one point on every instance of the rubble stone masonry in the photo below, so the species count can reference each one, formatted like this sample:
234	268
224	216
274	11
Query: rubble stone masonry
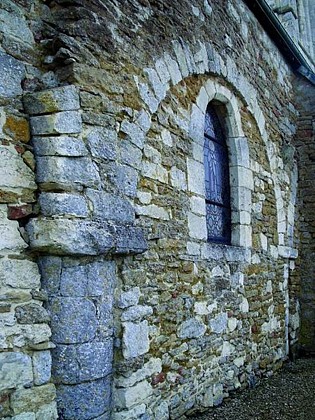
113	304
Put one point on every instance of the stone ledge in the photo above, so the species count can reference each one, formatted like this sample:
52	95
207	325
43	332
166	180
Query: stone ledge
65	98
82	237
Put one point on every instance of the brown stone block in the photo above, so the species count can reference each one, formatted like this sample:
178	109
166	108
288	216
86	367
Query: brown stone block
17	128
18	212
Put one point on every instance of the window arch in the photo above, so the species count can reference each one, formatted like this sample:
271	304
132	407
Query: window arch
217	179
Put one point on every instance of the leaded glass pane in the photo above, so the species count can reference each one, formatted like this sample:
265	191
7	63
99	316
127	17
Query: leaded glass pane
217	184
218	223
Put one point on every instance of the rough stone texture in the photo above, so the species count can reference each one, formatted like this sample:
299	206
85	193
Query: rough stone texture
73	320
82	366
52	204
65	98
11	74
15	370
42	367
67	122
59	146
135	339
90	399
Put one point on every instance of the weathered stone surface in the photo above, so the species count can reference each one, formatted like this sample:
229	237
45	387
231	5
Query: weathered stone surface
94	279
73	320
11	187
15	370
219	323
22	274
42	367
70	237
10	236
136	312
12	72
79	363
68	171
52	204
59	146
102	143
110	207
16	26
65	98
129	298
31	314
66	122
130	240
87	400
126	398
47	412
17	127
135	339
191	328
153	366
25	400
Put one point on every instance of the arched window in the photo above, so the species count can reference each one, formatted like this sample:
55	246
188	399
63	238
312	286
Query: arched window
216	162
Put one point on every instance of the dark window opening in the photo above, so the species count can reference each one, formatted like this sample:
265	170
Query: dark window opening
217	179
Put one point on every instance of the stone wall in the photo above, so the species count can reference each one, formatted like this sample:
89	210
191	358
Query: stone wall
148	320
25	359
305	274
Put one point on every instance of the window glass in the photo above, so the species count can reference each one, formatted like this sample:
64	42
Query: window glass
216	162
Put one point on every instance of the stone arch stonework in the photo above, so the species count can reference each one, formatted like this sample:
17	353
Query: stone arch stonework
241	178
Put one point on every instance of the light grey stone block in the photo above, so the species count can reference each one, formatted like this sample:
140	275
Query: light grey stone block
12	72
65	98
135	339
62	204
110	207
41	367
102	143
129	298
84	401
59	146
73	320
136	312
74	364
219	323
66	122
15	370
130	240
93	279
67	171
192	328
31	313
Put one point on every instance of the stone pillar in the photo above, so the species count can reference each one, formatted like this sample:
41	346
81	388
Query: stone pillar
79	231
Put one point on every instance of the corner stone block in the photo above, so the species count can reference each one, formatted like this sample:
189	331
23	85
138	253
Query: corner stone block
81	363
110	207
67	122
94	280
52	204
130	240
68	237
15	370
73	320
65	98
67	171
135	339
84	401
59	146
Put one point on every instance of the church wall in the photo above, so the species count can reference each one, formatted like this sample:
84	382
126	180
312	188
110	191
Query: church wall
26	390
148	319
